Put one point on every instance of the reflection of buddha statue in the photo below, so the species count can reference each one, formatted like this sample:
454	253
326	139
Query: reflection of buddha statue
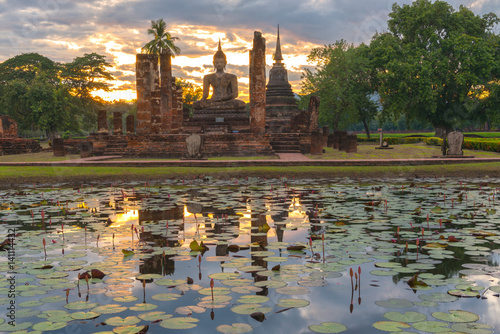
224	86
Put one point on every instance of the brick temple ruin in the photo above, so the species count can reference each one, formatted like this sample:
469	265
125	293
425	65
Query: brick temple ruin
274	124
10	143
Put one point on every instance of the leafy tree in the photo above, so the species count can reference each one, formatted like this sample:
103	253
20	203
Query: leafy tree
163	41
342	81
87	74
190	92
430	60
26	66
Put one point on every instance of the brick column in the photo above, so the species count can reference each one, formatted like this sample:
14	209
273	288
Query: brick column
166	81
102	122
117	123
130	122
147	79
258	84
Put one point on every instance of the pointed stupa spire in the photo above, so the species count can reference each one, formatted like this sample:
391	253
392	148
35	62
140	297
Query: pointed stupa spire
277	55
220	46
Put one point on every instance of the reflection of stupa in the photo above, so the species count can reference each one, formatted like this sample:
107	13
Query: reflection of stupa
279	91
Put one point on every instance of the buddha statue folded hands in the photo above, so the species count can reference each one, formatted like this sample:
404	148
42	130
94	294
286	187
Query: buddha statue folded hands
224	87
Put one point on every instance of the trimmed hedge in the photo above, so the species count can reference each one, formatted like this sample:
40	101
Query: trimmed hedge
482	145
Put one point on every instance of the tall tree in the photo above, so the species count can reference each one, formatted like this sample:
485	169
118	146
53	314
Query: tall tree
190	92
430	60
342	82
163	41
26	66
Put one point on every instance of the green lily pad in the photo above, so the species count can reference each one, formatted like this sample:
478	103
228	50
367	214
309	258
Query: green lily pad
293	290
84	315
31	303
473	328
165	297
391	326
328	327
250	308
438	297
49	326
246	289
456	316
405	317
153	316
109	309
128	329
125	299
224	276
431	326
179	323
383	272
235	328
394	303
188	310
80	305
6	327
53	299
253	299
143	307
119	321
292	302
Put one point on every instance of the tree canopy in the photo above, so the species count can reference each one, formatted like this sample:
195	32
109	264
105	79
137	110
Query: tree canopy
41	94
433	61
342	82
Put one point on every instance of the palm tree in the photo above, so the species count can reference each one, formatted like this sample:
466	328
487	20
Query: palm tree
163	41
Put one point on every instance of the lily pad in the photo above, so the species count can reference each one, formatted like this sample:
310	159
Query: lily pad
405	317
188	310
473	328
293	290
165	297
253	299
179	323
456	316
109	309
235	328
80	305
431	326
84	315
119	321
394	303
292	302
46	326
391	326
250	308
328	327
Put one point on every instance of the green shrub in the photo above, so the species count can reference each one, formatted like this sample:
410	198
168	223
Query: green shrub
433	141
482	145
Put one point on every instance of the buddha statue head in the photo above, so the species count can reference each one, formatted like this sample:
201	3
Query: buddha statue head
220	60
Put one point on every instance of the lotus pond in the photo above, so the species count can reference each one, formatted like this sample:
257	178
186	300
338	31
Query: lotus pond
252	255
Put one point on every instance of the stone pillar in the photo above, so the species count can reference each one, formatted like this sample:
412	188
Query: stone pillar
147	79
326	131
117	123
351	144
342	140
130	123
331	139
313	111
102	122
258	84
8	127
58	146
381	140
167	87
316	142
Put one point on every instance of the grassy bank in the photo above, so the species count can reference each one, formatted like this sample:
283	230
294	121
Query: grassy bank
14	176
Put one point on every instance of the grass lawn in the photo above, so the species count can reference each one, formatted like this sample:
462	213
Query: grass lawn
404	151
12	177
428	134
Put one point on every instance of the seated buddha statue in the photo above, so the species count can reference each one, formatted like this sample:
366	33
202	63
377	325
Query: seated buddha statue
224	87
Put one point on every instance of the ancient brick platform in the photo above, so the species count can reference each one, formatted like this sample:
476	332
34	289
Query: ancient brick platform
18	146
174	146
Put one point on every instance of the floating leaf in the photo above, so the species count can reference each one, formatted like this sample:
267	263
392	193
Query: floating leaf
390	326
251	299
179	323
473	328
80	305
235	328
405	317
250	308
456	316
127	252
328	327
187	310
46	326
291	302
164	297
431	326
293	290
394	303
84	315
109	309
118	321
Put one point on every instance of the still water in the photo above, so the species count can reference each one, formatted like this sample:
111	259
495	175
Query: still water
278	256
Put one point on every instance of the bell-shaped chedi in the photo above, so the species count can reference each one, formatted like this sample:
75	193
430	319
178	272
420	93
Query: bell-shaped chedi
279	91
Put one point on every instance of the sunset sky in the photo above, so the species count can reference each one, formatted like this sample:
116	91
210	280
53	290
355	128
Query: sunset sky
65	29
